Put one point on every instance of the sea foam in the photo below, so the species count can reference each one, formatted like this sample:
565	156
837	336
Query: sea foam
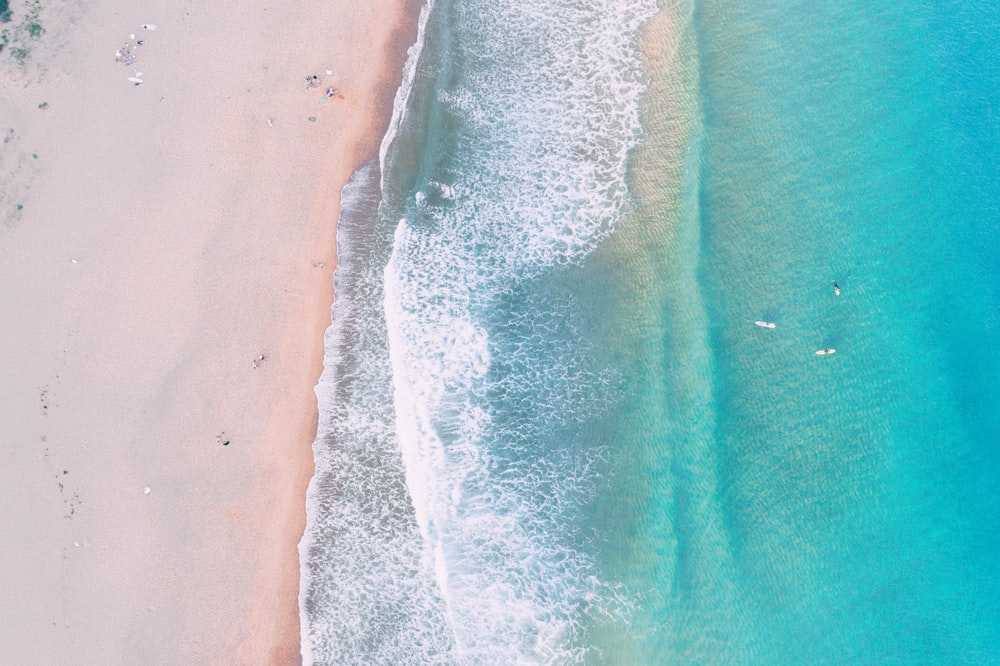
527	174
445	514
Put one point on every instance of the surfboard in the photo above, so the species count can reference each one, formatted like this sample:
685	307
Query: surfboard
764	324
825	352
135	80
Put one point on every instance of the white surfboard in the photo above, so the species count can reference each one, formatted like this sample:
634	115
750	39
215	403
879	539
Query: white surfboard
825	352
764	324
135	80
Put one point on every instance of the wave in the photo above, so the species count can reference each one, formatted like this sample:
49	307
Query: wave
527	176
446	517
367	594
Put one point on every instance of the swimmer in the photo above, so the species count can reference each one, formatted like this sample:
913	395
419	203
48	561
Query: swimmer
836	288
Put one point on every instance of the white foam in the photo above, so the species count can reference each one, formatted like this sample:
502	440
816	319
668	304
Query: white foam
536	179
399	103
361	555
437	530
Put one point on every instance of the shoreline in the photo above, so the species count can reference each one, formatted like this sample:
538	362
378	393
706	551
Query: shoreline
169	235
311	324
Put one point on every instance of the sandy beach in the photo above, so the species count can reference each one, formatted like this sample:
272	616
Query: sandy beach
166	258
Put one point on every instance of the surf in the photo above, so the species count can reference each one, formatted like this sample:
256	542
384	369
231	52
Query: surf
458	385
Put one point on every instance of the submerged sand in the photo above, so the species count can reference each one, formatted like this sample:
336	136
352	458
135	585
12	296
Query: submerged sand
155	240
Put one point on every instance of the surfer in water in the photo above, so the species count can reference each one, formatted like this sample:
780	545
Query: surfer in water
836	288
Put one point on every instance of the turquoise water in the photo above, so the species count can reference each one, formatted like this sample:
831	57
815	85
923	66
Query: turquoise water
551	431
840	508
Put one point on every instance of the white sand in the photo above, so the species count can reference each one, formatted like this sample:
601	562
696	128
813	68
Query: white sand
168	237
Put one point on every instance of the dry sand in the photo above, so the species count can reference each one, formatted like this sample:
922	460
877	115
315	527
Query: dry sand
168	236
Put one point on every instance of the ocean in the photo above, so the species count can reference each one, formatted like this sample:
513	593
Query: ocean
550	429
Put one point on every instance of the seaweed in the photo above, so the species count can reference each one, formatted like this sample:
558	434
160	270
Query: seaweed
28	28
